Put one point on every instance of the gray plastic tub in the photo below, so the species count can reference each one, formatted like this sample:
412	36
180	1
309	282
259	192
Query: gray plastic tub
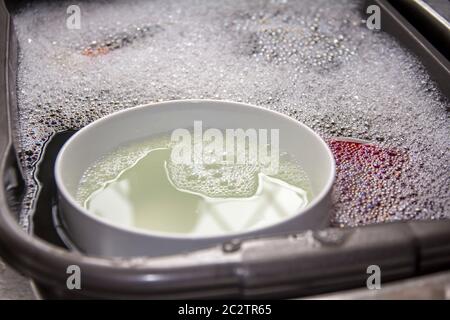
250	268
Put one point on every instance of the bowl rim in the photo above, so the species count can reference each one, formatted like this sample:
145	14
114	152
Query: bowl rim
63	192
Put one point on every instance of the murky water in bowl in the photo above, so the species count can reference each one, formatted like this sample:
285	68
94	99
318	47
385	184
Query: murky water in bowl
140	186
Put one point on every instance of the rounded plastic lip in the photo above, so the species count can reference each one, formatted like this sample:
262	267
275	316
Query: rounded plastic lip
65	193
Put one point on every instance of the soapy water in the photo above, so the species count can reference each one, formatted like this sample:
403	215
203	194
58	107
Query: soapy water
140	186
224	179
370	181
313	60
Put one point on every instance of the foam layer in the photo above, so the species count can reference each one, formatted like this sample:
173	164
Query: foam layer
313	60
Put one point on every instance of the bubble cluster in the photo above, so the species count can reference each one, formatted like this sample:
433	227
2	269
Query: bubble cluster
225	181
369	182
119	40
313	60
289	37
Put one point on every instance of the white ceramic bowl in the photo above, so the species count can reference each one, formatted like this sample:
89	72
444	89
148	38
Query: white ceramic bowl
97	236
